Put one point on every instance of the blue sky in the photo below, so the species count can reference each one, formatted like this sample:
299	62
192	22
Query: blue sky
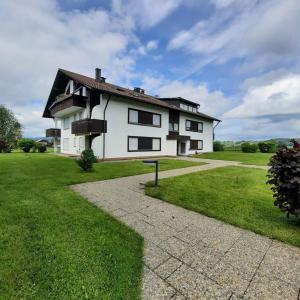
239	59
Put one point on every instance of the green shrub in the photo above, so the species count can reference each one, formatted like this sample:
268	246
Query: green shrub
86	160
218	146
40	147
26	144
267	147
284	176
249	148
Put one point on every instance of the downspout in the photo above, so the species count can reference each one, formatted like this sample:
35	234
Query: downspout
218	122
104	119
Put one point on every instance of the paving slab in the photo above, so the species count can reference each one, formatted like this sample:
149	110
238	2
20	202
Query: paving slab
190	256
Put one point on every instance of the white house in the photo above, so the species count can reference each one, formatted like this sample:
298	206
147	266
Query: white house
117	122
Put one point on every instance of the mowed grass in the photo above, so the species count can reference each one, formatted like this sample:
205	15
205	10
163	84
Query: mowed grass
235	195
257	158
54	244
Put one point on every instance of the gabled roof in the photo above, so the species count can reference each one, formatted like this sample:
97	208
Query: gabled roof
180	99
63	76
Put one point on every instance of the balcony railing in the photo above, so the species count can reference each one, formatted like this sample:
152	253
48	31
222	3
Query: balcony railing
174	135
53	132
67	104
89	126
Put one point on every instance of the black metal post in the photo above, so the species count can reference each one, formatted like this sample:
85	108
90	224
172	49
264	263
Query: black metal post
156	173
156	168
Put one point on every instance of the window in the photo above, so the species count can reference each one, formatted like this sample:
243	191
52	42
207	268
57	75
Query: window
66	144
194	109
66	123
196	145
173	126
193	126
145	118
133	116
74	142
80	115
140	143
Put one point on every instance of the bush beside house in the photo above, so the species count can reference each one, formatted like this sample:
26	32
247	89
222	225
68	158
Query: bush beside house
26	145
86	160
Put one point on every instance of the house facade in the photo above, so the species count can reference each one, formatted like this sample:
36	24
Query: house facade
121	123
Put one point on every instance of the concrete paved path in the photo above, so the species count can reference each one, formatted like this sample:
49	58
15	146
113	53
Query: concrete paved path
190	256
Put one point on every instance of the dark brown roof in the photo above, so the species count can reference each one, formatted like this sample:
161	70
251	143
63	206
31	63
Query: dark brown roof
180	99
110	89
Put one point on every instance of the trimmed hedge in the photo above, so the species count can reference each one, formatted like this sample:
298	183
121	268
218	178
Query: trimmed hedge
218	146
249	148
267	147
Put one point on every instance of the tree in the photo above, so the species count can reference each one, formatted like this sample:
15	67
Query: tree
10	128
284	176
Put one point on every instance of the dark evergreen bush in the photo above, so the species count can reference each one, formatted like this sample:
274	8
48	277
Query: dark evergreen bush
218	146
26	144
284	176
267	147
249	148
40	147
86	160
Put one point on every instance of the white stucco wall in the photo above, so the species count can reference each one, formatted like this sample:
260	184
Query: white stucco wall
116	138
206	135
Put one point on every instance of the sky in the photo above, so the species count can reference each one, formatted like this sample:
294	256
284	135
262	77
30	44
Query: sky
239	59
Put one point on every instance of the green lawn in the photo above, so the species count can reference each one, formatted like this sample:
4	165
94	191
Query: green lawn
257	158
56	245
236	195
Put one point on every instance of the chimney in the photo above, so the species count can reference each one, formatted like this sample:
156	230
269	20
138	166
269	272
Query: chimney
98	76
139	90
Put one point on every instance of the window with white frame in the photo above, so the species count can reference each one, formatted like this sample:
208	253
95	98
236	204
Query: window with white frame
74	142
144	118
193	126
141	143
196	145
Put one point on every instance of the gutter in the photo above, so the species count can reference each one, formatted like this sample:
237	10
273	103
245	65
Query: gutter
103	154
218	122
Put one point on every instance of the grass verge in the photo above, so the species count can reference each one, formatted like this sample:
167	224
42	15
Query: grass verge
234	195
257	158
56	245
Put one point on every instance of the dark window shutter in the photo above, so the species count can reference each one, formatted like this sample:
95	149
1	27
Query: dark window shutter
145	118
145	143
193	144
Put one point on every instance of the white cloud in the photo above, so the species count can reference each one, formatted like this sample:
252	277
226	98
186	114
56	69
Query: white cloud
37	37
145	13
262	32
152	45
211	102
276	97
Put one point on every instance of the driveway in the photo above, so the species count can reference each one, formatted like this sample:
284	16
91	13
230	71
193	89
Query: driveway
190	256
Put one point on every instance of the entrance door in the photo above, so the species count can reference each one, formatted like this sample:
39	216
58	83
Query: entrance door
182	148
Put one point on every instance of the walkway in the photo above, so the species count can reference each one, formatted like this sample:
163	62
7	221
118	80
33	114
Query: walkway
190	256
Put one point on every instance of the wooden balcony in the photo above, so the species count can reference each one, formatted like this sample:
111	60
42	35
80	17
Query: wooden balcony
53	132
174	135
89	127
67	104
